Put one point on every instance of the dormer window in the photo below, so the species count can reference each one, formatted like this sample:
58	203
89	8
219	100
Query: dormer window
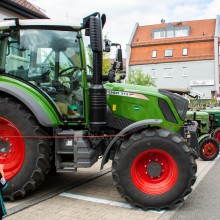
182	32
159	34
171	31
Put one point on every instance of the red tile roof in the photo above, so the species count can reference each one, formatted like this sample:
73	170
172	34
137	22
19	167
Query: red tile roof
200	43
27	6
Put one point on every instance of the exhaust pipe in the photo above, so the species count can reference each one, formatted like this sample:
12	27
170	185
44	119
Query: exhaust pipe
97	93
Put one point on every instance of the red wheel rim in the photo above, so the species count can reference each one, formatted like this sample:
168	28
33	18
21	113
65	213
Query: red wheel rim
12	148
217	137
154	172
209	149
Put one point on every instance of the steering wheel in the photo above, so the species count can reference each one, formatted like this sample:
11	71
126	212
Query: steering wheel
73	68
74	75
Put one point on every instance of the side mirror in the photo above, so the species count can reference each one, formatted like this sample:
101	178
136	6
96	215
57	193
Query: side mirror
122	76
107	45
119	58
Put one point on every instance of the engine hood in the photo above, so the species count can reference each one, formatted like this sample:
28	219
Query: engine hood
121	87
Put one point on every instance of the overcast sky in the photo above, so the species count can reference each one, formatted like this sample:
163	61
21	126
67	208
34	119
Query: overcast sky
122	15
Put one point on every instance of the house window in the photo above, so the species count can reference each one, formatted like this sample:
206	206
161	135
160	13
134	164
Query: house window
154	54
159	34
181	32
153	73
168	72
168	53
185	71
170	33
185	51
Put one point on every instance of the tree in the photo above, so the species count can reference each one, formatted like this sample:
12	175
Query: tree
106	63
137	77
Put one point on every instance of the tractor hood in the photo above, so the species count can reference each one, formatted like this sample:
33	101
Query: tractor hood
130	88
137	103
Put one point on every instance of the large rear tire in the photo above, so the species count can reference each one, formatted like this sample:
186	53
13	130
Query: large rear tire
26	155
154	169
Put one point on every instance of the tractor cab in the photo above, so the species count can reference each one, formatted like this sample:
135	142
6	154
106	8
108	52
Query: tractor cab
49	59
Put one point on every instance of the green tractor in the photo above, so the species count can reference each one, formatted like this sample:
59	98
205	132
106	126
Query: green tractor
214	124
57	110
202	123
208	148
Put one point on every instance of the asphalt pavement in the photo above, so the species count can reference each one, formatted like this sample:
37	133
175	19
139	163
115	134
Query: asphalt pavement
98	199
204	202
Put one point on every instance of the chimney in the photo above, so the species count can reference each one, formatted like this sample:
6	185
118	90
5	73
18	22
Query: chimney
162	21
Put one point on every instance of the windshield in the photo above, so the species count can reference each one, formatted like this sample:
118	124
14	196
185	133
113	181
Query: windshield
34	49
50	60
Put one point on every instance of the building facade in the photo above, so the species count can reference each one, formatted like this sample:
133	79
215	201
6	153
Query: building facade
178	54
19	9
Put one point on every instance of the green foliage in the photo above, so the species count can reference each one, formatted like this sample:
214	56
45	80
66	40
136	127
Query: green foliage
203	103
106	64
106	61
137	77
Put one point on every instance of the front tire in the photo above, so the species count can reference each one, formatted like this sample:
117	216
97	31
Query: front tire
216	134
154	169
208	149
27	154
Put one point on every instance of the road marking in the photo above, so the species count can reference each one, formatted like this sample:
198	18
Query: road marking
104	201
168	214
38	199
165	215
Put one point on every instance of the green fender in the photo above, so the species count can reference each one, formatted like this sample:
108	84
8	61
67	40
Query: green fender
42	110
135	125
203	136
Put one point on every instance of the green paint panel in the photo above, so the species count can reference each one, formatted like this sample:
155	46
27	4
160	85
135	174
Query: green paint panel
36	96
201	117
138	103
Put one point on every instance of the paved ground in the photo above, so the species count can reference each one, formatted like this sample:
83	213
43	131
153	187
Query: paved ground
204	202
99	199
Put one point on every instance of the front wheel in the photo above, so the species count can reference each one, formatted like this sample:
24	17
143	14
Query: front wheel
216	134
208	149
154	169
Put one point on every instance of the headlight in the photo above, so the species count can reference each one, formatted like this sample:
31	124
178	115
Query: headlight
181	104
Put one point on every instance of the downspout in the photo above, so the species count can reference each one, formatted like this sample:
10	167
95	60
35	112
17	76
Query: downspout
128	49
216	55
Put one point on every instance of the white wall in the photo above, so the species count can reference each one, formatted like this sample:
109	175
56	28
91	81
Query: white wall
201	72
4	13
